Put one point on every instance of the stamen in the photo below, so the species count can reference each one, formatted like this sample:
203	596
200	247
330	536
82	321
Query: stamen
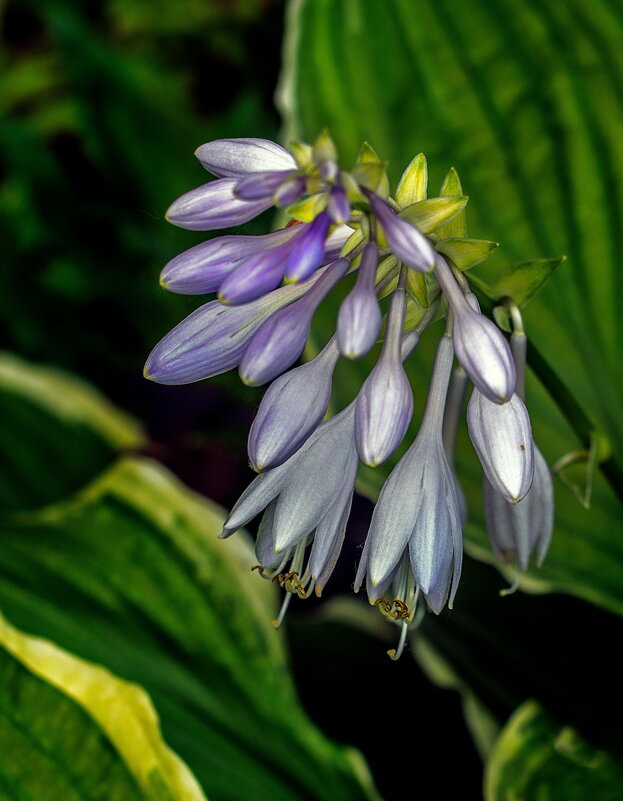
395	653
283	610
514	586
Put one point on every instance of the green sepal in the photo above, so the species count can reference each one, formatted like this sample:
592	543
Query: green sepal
350	186
351	243
466	253
324	148
430	214
385	267
373	176
367	155
413	184
413	315
522	282
308	209
302	153
418	288
457	227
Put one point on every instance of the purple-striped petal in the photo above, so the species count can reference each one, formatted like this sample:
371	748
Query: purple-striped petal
339	207
213	206
255	275
281	339
212	339
407	243
308	253
202	269
291	409
237	158
260	185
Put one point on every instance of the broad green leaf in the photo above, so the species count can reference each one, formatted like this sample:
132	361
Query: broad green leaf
536	758
466	253
522	283
413	183
130	574
57	433
69	724
429	214
494	106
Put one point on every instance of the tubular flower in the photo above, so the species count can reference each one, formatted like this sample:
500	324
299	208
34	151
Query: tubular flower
516	530
268	288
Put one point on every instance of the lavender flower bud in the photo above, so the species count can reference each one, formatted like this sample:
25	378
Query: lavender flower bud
480	347
291	409
256	275
339	207
307	254
502	437
203	268
213	338
260	185
407	243
281	339
289	191
385	401
236	158
359	318
213	206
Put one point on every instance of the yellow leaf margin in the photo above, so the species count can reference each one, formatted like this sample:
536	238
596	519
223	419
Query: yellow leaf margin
123	711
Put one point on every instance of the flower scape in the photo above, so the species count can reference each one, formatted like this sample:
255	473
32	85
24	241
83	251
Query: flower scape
412	251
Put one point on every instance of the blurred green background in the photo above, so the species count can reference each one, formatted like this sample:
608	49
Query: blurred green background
102	107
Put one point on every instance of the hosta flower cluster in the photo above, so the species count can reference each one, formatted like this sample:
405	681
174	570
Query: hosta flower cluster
409	253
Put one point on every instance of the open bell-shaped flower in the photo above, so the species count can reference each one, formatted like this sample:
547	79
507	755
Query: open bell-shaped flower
417	511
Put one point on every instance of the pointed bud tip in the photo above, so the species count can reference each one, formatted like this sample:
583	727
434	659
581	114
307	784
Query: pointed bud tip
147	374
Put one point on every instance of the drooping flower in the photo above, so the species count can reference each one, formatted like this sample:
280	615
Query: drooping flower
417	512
479	345
518	529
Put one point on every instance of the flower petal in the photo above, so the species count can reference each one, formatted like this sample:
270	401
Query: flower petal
213	206
236	158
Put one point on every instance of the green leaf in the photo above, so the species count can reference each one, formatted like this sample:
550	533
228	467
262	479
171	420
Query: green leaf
417	287
130	574
430	214
536	758
523	282
412	186
58	432
466	253
73	730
